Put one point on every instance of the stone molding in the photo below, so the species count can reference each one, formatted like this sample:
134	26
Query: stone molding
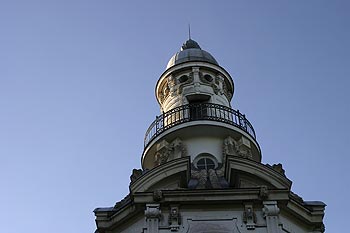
109	218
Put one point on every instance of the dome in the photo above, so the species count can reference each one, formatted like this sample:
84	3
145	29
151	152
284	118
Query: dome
191	51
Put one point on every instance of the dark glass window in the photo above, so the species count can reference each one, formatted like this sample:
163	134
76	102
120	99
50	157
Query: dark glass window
198	111
205	163
208	78
183	78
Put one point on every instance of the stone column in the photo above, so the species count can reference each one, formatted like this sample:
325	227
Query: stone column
271	212
153	215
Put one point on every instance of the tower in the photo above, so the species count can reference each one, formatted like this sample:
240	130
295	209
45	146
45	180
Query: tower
201	164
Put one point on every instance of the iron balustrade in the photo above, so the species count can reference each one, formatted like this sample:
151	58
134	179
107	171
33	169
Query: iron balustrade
195	112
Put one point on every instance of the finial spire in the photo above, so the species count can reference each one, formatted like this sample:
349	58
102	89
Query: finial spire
189	31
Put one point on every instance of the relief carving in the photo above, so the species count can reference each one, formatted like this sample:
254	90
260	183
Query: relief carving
157	195
219	84
230	147
245	152
218	79
164	92
214	179
249	217
226	92
264	192
172	81
178	149
279	168
200	178
238	148
215	88
136	173
174	218
207	179
161	157
169	151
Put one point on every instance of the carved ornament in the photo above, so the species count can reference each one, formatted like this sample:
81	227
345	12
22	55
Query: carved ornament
264	192
169	151
279	168
157	195
136	173
207	179
249	217
238	148
174	218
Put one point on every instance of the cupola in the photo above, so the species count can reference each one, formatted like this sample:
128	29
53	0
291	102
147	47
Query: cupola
194	94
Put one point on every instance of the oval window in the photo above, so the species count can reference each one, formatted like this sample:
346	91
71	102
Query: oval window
208	78
183	78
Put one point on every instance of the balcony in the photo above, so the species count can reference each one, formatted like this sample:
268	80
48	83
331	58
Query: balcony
197	112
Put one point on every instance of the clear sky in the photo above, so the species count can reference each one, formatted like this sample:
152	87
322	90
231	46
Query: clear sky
77	84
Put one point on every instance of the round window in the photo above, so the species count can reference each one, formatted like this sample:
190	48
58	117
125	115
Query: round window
205	163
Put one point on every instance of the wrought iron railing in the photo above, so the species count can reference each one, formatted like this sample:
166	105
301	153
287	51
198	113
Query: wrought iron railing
195	112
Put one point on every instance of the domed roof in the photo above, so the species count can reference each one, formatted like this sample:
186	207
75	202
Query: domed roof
191	51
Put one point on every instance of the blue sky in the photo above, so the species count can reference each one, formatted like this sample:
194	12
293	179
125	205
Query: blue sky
77	95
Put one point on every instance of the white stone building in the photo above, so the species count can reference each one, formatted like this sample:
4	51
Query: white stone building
201	165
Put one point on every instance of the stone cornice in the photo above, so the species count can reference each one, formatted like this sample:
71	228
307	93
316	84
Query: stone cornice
211	195
107	218
301	211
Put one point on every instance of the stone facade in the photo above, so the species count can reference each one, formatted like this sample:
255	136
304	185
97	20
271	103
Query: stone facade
201	166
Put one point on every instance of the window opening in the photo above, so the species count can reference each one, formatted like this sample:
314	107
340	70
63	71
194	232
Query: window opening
205	163
198	110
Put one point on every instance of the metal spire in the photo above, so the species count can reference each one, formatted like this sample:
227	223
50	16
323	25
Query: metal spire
189	31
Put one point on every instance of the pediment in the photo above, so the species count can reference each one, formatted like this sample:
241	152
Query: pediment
166	176
245	173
